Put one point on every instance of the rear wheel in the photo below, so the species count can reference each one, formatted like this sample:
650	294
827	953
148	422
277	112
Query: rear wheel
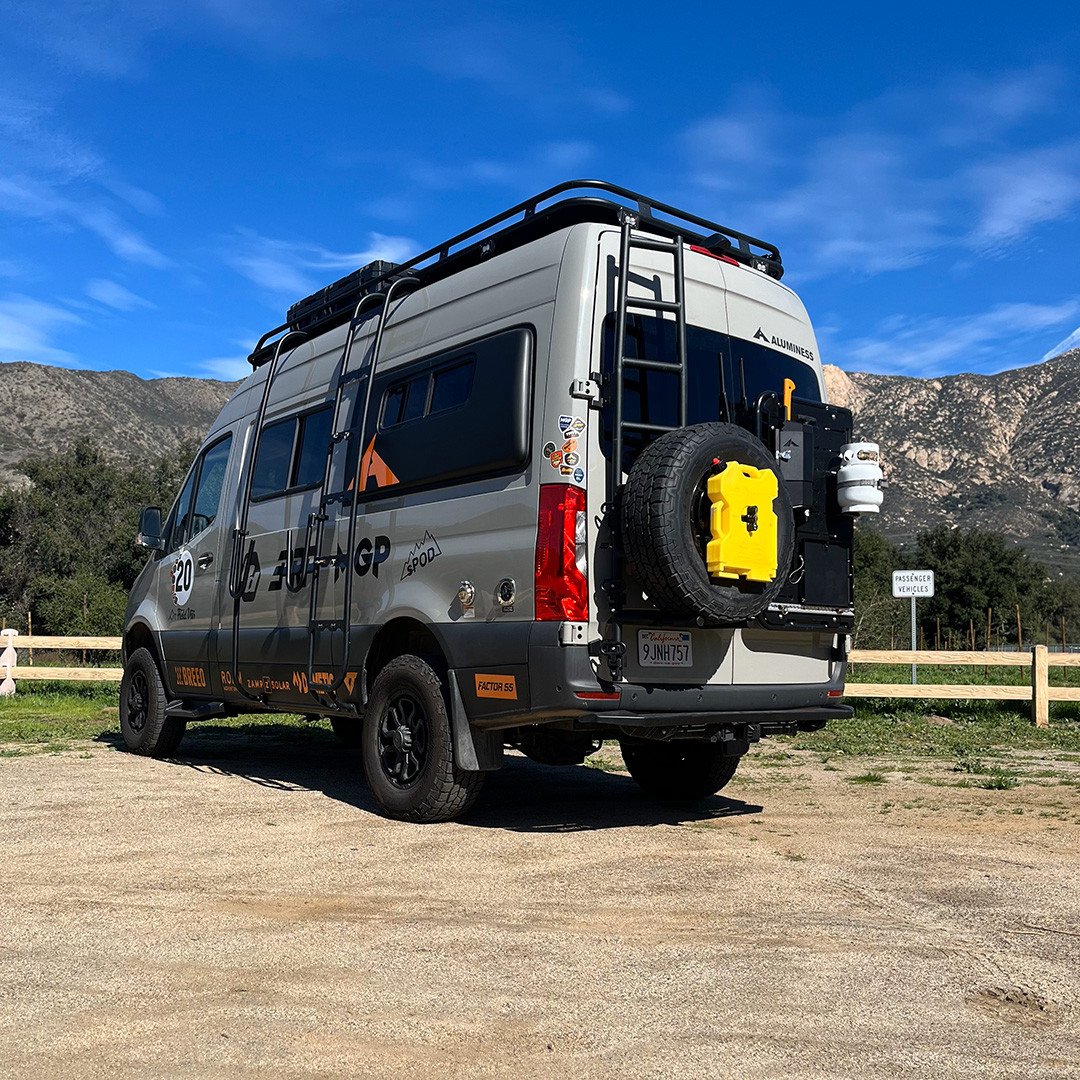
407	746
144	724
679	770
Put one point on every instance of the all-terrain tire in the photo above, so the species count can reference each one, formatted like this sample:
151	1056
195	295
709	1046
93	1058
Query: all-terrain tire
146	727
679	770
665	524
407	746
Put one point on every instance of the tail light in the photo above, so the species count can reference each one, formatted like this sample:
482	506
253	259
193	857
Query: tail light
562	589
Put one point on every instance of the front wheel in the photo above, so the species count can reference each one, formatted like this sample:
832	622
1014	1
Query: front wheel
145	725
679	770
407	747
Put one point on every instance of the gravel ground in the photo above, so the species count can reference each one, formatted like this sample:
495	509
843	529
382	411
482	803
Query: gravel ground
242	912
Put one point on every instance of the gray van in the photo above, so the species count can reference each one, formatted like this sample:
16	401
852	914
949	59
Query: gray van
570	476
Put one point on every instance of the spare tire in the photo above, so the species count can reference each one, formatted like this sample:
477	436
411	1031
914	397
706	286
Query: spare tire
666	528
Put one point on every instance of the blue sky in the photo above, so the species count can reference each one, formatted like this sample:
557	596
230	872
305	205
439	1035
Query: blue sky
175	173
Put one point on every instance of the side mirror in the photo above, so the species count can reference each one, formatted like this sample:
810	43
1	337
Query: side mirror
150	530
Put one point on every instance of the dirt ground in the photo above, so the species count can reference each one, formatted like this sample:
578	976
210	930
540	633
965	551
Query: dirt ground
242	912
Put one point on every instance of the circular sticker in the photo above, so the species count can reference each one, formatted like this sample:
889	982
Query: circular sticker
579	475
183	573
549	449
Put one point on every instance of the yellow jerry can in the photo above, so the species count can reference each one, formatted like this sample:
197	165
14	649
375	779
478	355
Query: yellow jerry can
743	523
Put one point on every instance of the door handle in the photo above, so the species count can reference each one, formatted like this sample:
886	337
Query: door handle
205	560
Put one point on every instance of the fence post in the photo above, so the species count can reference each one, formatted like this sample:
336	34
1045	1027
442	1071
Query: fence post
8	660
1040	697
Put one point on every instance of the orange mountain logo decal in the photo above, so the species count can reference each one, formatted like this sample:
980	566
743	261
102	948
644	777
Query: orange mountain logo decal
372	466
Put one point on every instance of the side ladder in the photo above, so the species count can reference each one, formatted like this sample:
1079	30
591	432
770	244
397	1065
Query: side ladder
614	648
348	398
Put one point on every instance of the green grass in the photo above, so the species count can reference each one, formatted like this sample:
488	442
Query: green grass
978	729
48	717
867	778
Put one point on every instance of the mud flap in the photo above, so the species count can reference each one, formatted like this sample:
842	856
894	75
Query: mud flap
474	751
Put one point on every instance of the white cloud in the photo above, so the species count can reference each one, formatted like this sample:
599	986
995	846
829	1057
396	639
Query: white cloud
226	368
1064	346
27	327
115	296
289	268
1024	190
986	342
888	183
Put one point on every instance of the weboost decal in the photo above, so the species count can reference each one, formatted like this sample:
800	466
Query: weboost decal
787	346
423	553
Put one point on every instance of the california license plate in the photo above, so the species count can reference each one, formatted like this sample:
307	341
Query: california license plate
664	648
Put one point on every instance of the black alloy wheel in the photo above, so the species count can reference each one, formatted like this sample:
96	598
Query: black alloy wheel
404	740
408	745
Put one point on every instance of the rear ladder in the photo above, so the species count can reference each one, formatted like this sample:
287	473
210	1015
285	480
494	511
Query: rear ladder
613	648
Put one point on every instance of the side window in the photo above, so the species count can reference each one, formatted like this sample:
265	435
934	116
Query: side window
176	530
292	454
431	392
314	441
208	493
456	415
197	505
275	457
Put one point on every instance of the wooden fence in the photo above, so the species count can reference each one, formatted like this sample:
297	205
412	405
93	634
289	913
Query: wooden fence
1038	692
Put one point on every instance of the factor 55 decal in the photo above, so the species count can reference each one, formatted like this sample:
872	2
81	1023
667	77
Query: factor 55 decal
496	686
182	576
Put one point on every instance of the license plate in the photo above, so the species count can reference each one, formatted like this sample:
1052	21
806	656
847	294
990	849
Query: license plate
664	648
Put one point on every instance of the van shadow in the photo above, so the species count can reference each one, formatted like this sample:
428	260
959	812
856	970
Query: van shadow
521	797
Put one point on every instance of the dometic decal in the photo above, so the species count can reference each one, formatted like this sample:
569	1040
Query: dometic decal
183	574
370	553
372	467
497	686
424	552
780	343
321	678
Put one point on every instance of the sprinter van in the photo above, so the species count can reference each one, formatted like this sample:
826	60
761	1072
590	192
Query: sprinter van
569	477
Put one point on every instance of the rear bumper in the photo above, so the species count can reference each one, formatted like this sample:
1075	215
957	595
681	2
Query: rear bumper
551	678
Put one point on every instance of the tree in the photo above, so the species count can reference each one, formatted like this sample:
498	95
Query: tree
69	531
976	570
874	561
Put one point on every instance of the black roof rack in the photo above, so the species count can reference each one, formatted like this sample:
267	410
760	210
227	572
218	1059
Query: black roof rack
542	214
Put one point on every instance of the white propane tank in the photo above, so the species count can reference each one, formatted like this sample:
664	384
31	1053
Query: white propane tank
858	483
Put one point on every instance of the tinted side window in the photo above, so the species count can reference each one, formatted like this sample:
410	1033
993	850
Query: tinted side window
176	529
314	442
475	419
275	458
211	477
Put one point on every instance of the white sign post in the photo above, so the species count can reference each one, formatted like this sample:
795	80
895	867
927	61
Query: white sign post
913	583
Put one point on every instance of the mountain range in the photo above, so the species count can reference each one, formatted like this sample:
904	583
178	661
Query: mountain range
997	452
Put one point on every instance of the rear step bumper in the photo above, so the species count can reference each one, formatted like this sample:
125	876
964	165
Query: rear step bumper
781	722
